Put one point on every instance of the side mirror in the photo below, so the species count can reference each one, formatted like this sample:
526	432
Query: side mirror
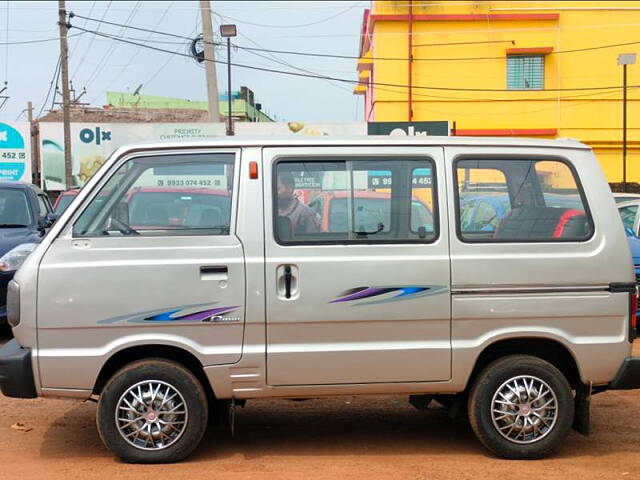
48	220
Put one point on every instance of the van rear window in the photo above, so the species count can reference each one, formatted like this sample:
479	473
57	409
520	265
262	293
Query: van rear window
519	200
355	201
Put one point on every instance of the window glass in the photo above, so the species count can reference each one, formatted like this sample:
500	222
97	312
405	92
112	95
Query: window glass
354	200
14	208
628	215
63	202
520	201
525	72
164	195
42	206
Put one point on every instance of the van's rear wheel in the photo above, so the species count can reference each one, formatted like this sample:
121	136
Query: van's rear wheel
152	411
521	407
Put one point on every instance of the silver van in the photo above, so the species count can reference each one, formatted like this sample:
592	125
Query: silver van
186	278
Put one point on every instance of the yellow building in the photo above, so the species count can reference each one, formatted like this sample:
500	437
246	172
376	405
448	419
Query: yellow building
525	68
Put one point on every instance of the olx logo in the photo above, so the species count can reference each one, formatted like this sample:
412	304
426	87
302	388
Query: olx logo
88	135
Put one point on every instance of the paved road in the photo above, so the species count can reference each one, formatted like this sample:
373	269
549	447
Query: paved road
333	438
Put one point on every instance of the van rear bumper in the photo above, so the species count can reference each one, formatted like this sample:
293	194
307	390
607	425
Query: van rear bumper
16	374
628	377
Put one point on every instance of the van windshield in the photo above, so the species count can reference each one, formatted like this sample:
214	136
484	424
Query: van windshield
14	208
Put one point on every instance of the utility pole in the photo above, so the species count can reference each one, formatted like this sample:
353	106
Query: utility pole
209	63
64	64
32	137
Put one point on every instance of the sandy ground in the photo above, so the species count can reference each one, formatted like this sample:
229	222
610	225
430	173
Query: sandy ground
333	438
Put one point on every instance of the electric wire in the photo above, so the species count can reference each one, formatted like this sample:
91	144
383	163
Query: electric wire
345	80
294	26
53	78
137	52
42	40
103	62
88	49
356	57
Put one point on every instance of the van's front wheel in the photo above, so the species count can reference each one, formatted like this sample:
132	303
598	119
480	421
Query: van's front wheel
521	407
152	411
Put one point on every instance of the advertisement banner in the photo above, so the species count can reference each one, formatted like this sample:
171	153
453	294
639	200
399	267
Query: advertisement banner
267	129
411	129
15	151
92	143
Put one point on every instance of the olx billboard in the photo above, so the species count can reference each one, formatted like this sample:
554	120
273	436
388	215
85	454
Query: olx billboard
91	145
409	128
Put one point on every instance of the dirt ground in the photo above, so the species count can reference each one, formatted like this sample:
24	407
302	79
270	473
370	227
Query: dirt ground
333	438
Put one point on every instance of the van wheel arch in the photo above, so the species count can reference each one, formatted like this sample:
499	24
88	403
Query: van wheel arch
552	351
128	355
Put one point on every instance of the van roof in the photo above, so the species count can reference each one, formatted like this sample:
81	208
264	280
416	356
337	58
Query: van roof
380	140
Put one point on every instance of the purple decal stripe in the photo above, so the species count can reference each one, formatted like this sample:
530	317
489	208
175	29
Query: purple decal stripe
366	293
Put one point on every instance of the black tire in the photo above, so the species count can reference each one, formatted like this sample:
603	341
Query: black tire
481	407
167	373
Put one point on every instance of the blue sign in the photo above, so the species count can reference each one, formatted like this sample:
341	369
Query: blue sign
11	171
10	137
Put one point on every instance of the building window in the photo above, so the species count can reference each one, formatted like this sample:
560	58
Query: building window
525	72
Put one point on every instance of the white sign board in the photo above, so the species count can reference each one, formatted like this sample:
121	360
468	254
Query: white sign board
267	129
92	143
15	152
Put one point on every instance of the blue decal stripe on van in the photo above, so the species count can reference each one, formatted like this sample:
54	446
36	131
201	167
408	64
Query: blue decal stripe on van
170	316
401	293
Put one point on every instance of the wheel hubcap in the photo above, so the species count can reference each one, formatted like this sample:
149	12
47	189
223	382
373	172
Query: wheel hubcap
151	415
524	409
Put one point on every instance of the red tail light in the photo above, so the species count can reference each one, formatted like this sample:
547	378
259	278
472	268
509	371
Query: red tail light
634	309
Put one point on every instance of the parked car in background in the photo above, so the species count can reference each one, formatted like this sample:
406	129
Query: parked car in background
64	199
371	209
25	215
625	197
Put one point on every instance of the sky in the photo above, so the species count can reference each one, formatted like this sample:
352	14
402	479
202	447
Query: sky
100	64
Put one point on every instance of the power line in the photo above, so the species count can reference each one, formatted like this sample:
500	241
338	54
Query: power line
53	79
88	49
110	50
42	40
294	26
345	80
356	57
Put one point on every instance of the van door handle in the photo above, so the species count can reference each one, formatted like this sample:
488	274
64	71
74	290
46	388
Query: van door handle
214	272
214	269
287	281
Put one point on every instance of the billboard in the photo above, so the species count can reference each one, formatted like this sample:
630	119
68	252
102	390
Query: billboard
15	151
268	129
410	129
92	143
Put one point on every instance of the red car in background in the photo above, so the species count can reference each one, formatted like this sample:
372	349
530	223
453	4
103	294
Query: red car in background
371	208
64	200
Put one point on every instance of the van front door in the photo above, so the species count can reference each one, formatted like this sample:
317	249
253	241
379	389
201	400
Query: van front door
357	266
150	258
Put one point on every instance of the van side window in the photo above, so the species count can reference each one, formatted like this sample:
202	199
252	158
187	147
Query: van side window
519	200
163	196
353	201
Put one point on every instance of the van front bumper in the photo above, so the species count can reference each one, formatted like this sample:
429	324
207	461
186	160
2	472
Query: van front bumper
628	377
16	374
